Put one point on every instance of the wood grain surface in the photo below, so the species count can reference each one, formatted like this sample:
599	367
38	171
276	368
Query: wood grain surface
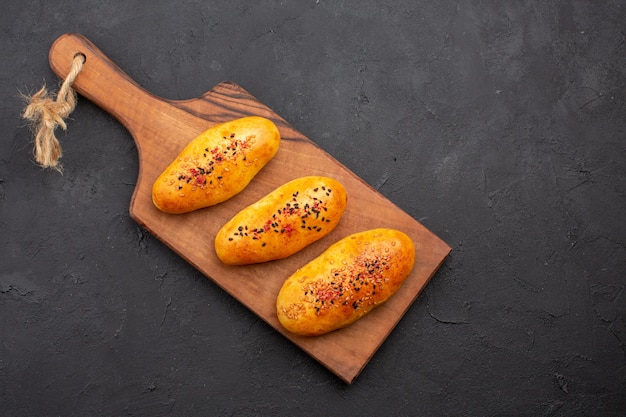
161	128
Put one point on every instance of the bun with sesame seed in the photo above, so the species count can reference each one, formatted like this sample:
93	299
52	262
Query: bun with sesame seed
216	165
283	222
346	282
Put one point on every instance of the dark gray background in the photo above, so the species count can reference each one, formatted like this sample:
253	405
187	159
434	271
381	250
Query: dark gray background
498	125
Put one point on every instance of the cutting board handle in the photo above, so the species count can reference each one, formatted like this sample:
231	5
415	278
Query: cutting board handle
104	83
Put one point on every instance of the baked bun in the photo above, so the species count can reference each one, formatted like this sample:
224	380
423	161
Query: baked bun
347	281
283	222
216	165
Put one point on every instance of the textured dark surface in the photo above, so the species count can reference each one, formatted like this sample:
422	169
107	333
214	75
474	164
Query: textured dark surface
501	126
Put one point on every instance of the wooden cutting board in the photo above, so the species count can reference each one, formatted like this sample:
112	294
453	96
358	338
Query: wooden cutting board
161	128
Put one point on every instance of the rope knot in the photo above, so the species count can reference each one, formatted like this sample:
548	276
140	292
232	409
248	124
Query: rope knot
45	113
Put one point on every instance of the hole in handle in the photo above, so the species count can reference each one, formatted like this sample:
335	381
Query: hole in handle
80	54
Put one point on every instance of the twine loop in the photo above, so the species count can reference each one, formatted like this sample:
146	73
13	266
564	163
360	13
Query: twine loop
45	112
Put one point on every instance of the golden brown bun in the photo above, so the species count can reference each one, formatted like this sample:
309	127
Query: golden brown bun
347	281
216	165
283	222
